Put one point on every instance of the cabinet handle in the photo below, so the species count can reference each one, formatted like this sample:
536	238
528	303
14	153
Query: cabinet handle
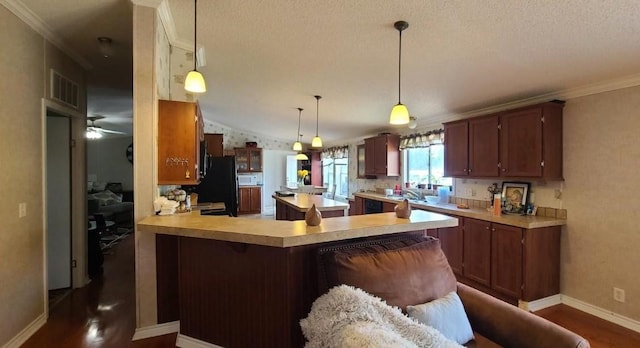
493	230
469	170
504	169
464	170
487	227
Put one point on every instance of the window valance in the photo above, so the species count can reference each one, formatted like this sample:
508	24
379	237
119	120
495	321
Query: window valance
335	152
422	140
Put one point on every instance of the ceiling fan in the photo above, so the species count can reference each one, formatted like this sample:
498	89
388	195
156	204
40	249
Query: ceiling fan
96	132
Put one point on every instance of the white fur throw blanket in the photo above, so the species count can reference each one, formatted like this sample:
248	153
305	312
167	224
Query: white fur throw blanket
349	317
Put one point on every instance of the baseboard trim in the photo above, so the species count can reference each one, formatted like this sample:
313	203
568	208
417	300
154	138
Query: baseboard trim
27	332
601	313
189	342
542	303
156	330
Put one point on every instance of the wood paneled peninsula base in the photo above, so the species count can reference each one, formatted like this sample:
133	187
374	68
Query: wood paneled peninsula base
294	207
236	282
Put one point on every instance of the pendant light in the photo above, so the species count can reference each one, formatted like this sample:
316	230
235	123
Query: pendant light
297	146
195	81
302	157
399	113
317	142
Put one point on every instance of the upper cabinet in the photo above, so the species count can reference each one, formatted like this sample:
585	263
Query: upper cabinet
248	159
179	136
382	155
520	143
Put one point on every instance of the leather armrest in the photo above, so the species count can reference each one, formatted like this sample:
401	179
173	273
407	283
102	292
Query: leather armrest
510	326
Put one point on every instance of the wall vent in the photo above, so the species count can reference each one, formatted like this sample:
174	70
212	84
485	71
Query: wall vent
64	90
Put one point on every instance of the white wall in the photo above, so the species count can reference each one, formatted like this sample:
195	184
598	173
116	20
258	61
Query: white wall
274	163
106	158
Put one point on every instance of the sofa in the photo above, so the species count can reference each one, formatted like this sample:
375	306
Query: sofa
112	203
409	270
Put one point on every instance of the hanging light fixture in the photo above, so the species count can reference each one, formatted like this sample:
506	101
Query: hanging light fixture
297	146
413	122
195	81
399	113
93	134
302	157
317	142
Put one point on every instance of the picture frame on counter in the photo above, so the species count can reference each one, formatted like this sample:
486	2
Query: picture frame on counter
514	197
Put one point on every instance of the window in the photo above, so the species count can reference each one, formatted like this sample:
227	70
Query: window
425	165
336	172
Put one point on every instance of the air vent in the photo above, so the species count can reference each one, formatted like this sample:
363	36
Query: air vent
64	90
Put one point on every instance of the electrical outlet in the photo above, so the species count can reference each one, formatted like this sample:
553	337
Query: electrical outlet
618	294
22	210
473	193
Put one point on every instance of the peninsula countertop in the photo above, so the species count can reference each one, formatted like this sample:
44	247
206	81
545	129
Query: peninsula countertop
285	234
528	222
302	202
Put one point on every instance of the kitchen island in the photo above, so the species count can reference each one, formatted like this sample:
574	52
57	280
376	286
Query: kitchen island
294	207
238	282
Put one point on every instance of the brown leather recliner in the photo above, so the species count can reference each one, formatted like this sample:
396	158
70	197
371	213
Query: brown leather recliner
411	269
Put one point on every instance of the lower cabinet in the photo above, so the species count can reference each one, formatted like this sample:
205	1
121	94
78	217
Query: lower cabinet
451	242
388	207
250	200
477	251
506	259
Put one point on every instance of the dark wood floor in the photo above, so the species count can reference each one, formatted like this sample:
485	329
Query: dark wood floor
102	314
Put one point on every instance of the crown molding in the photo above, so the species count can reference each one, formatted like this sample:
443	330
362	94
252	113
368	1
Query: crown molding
166	17
32	20
148	3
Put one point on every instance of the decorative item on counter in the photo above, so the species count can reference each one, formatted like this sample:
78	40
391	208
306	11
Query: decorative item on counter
302	174
313	216
165	206
497	208
397	190
493	189
403	209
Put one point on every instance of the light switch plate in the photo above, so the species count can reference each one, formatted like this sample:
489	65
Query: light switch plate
22	210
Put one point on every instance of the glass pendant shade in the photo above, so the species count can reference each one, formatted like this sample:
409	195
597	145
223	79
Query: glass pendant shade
297	146
316	142
195	82
399	114
302	157
93	134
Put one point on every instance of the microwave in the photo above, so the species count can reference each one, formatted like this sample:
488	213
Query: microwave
249	179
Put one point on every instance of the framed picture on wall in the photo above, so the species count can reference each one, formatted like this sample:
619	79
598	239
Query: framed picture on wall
514	197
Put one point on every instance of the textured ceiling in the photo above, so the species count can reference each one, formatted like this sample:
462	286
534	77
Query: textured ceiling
266	58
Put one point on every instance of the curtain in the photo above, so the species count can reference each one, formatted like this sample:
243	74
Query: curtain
422	140
335	152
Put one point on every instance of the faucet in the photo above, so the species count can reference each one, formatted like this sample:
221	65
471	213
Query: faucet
413	194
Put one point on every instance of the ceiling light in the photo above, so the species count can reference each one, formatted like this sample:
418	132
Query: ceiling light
105	47
297	146
93	134
413	122
399	113
195	81
302	157
317	142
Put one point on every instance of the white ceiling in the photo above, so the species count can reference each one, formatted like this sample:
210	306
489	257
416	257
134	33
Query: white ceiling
266	58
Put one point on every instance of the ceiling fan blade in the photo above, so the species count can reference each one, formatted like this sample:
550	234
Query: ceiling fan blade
111	131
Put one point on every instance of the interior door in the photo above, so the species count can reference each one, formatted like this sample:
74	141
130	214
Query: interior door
58	202
292	171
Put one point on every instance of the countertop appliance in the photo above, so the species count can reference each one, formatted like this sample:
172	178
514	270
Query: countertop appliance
249	179
220	185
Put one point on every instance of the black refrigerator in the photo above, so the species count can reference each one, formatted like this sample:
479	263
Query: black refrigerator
220	184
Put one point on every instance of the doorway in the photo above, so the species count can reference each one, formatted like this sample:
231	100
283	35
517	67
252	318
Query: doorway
58	183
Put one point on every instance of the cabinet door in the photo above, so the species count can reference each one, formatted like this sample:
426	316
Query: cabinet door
256	200
244	200
521	143
178	143
506	259
451	241
456	149
356	206
255	160
477	251
214	144
483	147
242	159
369	156
388	207
380	155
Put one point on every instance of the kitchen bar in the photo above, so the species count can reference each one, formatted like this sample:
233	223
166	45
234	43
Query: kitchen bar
294	207
239	282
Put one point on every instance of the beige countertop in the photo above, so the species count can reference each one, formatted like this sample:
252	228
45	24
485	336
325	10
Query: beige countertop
480	214
290	233
302	202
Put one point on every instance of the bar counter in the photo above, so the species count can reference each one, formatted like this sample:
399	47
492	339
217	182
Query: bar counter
294	207
242	282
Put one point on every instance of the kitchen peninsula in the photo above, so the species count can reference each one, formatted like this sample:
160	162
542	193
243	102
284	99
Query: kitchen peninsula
294	207
240	282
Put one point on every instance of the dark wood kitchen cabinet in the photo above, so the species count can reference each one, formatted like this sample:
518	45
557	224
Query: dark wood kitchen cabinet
477	251
520	143
249	200
451	242
215	146
506	259
179	136
382	155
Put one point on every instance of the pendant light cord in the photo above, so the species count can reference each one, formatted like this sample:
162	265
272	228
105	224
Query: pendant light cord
317	111
399	65
195	34
299	116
